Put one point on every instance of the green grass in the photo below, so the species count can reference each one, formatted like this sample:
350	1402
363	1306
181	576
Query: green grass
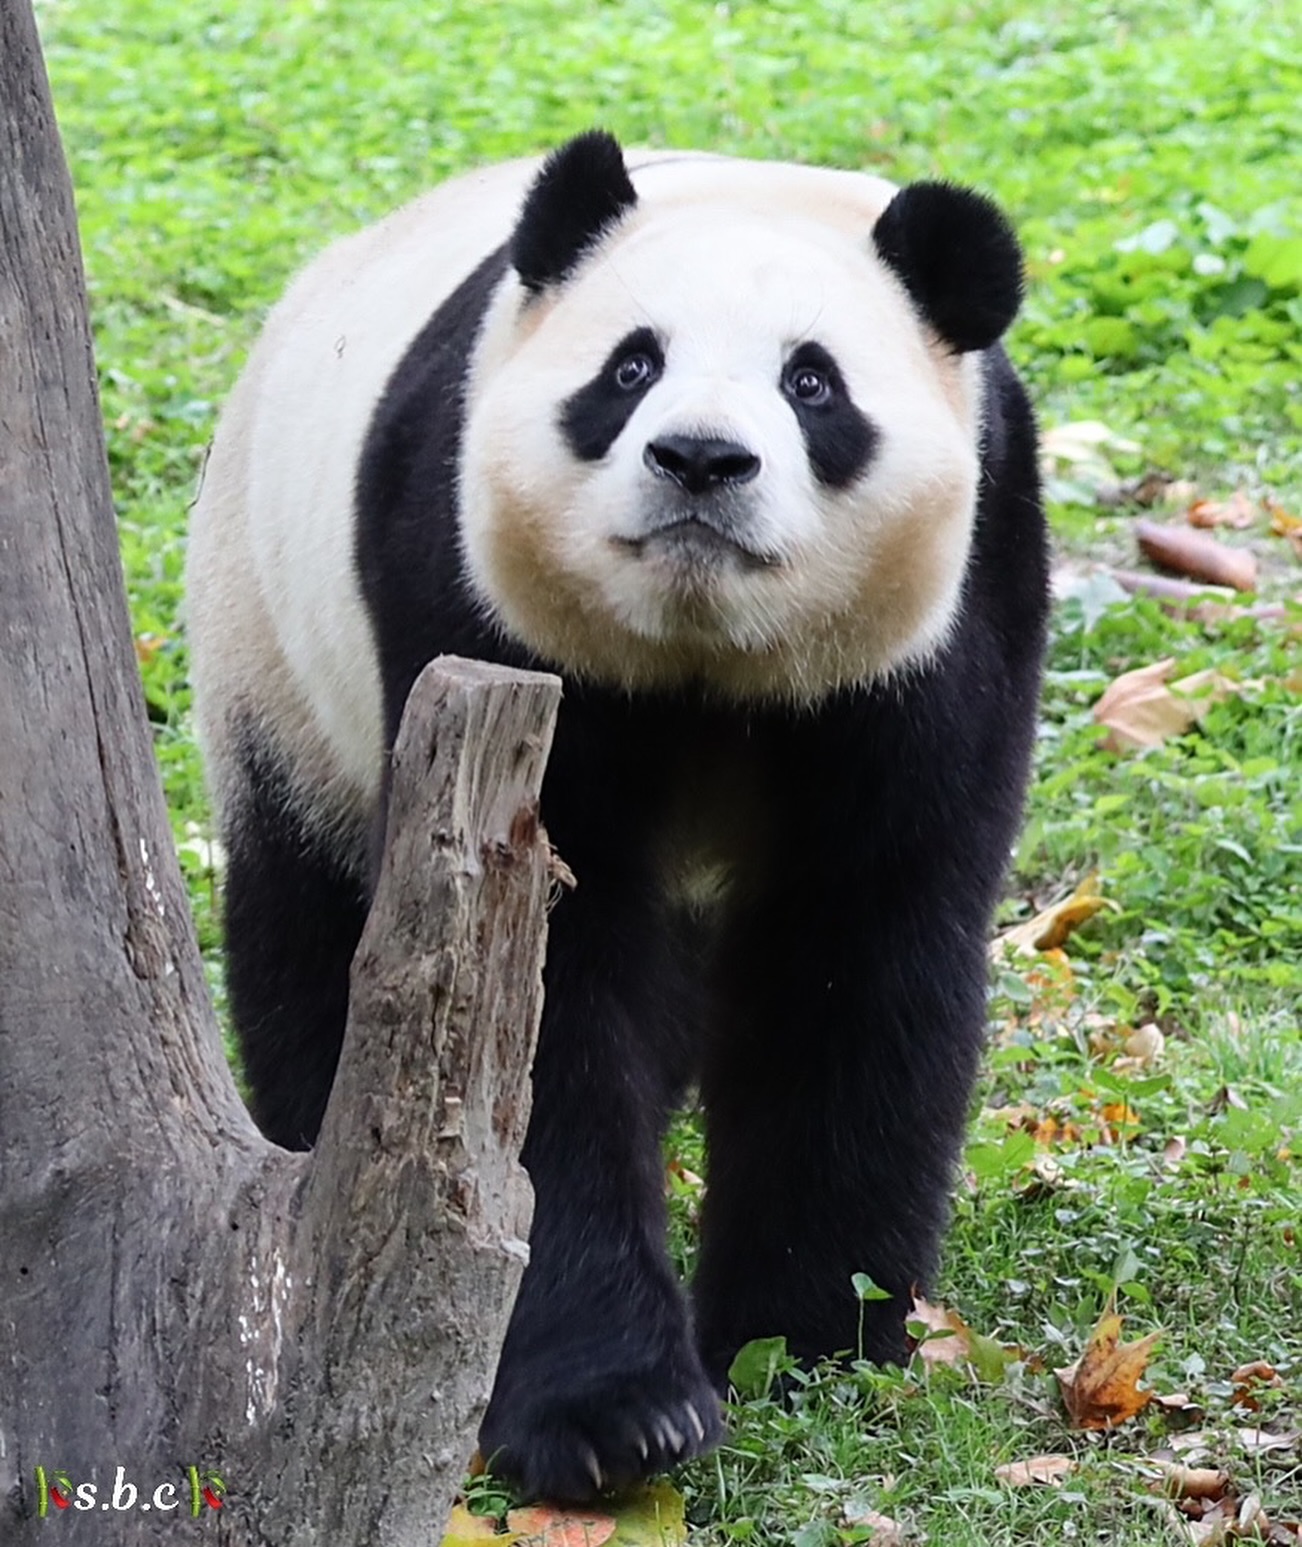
1145	151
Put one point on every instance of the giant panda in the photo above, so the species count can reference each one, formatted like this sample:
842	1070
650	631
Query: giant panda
734	448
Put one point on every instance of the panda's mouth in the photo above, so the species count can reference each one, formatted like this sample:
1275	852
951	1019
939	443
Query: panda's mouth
696	541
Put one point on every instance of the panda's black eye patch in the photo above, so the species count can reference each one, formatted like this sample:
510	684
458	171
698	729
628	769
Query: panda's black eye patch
839	439
593	418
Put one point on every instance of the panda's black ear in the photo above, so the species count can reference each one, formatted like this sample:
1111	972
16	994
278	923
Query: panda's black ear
581	191
958	258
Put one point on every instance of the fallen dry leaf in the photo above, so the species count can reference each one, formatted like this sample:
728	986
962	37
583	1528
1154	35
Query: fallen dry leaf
1052	925
1046	1471
946	1339
885	1531
1192	1482
1258	1442
1144	707
548	1525
1197	555
1139	709
1101	1389
1202	689
1254	1375
1145	1045
1239	512
1179	1407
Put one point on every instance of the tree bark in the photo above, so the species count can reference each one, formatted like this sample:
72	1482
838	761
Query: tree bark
174	1291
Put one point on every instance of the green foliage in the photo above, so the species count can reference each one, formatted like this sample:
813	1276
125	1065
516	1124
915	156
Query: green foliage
1147	151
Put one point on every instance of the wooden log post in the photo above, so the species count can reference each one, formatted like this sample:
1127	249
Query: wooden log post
415	1212
177	1296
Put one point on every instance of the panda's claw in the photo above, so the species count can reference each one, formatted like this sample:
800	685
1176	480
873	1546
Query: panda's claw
690	1409
671	1439
593	1467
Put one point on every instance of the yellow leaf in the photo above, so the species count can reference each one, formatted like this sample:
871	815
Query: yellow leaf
465	1530
1049	928
650	1516
1283	523
1101	1389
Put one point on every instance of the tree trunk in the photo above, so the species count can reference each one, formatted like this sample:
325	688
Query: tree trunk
178	1296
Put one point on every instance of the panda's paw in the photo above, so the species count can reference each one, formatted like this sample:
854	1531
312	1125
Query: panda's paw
570	1441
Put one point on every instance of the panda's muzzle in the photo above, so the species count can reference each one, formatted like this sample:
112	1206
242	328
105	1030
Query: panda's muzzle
712	520
701	464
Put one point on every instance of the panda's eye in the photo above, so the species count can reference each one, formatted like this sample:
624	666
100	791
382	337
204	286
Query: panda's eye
634	371
808	385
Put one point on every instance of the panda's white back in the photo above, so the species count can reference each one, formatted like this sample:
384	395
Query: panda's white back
290	641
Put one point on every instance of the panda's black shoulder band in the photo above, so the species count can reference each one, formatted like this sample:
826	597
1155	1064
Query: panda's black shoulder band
582	190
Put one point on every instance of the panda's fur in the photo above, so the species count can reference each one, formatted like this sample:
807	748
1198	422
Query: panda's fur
734	448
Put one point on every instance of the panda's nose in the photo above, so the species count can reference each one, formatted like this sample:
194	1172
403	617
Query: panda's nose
700	463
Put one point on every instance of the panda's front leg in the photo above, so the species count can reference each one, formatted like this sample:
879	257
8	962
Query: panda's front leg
600	1382
851	992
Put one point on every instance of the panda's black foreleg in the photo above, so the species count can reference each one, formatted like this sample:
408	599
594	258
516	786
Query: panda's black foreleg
293	918
600	1382
851	1013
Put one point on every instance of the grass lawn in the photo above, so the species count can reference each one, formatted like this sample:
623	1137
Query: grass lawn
1147	151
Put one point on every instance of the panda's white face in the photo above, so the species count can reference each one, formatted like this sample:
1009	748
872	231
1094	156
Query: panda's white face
727	451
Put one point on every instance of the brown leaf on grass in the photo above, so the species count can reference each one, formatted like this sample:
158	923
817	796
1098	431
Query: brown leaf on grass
1202	689
1143	1047
1258	1442
1140	710
1179	1408
1101	1390
1052	925
1192	1482
885	1531
1045	1471
1239	512
1143	708
1197	555
1248	1379
944	1338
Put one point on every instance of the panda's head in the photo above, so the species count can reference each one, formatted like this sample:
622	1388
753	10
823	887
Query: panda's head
725	428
